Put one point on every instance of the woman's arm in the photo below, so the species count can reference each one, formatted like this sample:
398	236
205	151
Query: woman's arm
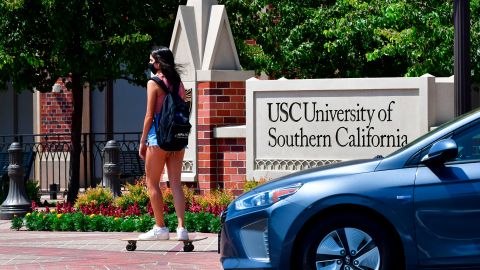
147	123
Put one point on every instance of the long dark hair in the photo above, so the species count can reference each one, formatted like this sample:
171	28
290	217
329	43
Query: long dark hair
164	56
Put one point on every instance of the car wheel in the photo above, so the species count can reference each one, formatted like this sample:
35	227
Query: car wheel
347	242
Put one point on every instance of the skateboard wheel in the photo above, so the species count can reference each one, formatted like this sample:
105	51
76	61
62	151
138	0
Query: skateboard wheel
188	247
131	247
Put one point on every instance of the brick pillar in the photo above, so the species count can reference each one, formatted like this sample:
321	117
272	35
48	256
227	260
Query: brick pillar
221	162
56	113
232	163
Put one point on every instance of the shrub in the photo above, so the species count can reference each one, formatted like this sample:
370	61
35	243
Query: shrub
213	202
37	221
201	222
168	200
114	223
67	222
94	211
171	221
79	222
189	195
144	223
136	193
94	197
96	223
128	224
32	189
215	225
17	223
251	184
53	221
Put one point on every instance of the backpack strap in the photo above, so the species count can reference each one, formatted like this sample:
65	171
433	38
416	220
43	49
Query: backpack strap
175	95
160	83
163	85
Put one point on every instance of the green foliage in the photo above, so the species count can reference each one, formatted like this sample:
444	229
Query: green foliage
16	223
144	223
95	196
128	225
43	40
106	218
96	223
251	184
168	197
32	189
52	221
222	197
171	221
199	222
213	202
214	225
189	195
349	38
79	221
67	223
136	193
38	221
113	223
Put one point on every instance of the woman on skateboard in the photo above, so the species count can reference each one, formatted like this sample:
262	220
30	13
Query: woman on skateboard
162	65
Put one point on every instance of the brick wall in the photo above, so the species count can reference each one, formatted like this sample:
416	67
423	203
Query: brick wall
231	164
221	162
56	113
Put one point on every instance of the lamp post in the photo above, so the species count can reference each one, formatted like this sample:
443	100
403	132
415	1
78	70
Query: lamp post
462	56
111	167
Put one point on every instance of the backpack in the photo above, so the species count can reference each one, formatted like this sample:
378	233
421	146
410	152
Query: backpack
172	127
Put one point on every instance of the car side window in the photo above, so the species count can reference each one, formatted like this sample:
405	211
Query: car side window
468	142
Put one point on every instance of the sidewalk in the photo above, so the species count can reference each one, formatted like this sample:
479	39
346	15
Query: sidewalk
100	250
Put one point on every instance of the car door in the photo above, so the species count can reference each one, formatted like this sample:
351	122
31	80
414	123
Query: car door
447	206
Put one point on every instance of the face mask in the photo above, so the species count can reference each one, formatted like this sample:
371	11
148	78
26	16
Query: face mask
152	68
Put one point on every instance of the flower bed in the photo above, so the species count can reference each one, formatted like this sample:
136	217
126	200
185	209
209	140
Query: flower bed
97	210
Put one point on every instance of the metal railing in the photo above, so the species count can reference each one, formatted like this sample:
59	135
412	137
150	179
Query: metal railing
51	154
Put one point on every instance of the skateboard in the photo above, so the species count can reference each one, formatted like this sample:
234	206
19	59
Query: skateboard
187	244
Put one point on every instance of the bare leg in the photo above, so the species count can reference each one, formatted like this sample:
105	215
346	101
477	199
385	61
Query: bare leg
154	164
174	168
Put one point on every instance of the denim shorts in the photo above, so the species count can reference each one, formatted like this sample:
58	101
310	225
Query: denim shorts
152	137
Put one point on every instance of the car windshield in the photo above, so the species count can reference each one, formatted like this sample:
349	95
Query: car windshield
436	130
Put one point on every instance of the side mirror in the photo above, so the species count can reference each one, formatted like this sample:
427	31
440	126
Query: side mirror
441	152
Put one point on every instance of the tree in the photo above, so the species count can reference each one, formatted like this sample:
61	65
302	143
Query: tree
349	38
85	41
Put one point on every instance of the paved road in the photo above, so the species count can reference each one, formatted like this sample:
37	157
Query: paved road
99	250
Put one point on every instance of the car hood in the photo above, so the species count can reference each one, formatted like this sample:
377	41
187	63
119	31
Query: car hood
319	173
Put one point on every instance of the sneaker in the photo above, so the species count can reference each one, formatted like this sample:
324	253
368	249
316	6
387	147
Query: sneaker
157	233
182	234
